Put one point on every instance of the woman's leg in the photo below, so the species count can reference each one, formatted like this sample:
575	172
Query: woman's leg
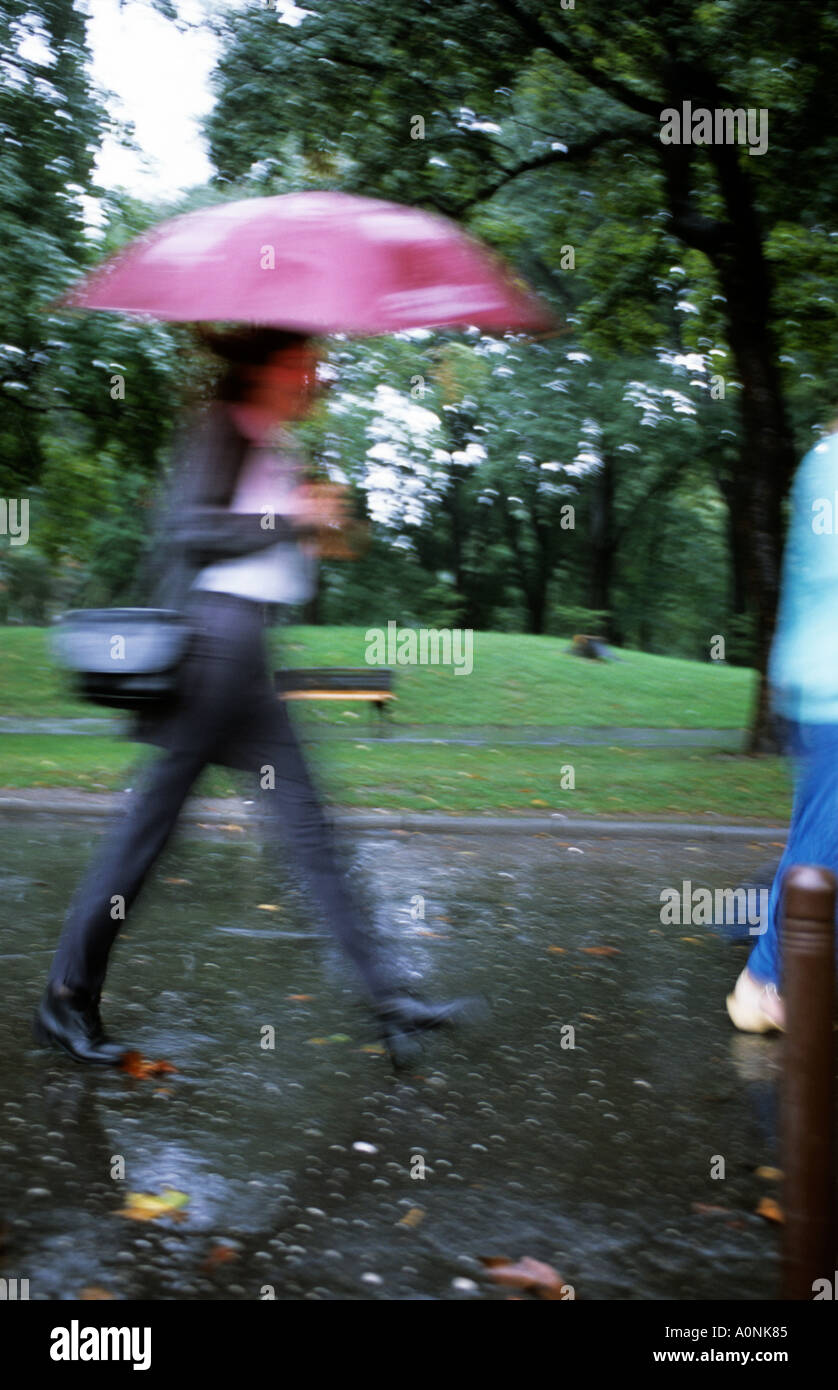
290	799
813	834
114	880
214	695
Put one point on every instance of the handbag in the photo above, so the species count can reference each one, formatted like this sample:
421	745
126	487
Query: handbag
126	657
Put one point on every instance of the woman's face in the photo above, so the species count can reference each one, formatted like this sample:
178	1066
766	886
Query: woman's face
284	387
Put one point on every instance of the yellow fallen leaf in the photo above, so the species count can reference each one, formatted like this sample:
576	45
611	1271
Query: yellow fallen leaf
412	1218
268	907
148	1206
770	1174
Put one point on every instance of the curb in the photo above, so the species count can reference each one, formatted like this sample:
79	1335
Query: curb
233	810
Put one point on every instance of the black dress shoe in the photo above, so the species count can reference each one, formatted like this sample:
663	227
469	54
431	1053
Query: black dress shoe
403	1019
72	1022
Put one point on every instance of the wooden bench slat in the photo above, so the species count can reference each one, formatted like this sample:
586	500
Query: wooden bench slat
336	683
337	695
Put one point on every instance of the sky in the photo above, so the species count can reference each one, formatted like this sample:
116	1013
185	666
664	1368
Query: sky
159	76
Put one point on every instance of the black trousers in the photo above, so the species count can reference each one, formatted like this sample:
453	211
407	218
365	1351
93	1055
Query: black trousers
227	701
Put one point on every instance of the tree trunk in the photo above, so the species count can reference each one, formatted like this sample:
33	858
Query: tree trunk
603	545
767	458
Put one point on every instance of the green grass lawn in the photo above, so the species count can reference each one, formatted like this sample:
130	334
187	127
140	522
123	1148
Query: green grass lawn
516	680
618	782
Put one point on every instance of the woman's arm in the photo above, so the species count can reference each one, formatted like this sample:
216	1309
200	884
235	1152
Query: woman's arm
207	534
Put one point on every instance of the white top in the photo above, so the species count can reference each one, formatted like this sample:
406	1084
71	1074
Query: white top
281	573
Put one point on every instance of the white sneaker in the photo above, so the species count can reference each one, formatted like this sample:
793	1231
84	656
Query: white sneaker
754	1007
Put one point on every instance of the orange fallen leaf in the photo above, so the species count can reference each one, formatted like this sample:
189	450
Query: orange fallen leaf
412	1218
771	1210
708	1209
219	1255
559	950
177	880
526	1273
693	940
600	950
135	1064
770	1174
92	1294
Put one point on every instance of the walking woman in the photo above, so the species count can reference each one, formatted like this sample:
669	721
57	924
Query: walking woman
240	532
803	674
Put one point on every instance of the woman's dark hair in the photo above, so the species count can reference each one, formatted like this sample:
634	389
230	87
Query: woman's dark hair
244	349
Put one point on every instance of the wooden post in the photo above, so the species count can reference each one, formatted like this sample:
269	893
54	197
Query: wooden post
807	1121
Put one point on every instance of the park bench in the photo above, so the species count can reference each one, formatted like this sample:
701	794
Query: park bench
374	684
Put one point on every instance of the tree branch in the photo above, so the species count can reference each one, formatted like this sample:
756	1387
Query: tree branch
579	62
542	161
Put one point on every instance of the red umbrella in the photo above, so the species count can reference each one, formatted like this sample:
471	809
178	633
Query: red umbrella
317	262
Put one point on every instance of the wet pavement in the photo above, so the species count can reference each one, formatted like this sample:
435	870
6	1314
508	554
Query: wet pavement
303	1163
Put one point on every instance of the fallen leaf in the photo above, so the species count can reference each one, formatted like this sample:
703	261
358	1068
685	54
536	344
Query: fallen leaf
412	1218
770	1210
92	1294
693	940
770	1174
135	1064
148	1206
300	998
268	907
219	1255
600	950
559	950
177	880
426	931
525	1273
375	1048
708	1209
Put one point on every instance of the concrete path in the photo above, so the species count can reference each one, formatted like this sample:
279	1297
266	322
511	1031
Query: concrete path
580	1124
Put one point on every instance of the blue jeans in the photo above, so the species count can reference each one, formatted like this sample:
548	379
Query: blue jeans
813	833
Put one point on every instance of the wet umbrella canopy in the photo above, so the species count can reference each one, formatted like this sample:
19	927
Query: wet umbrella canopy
316	262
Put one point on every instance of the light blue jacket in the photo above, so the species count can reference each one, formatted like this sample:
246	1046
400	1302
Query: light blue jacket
803	668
